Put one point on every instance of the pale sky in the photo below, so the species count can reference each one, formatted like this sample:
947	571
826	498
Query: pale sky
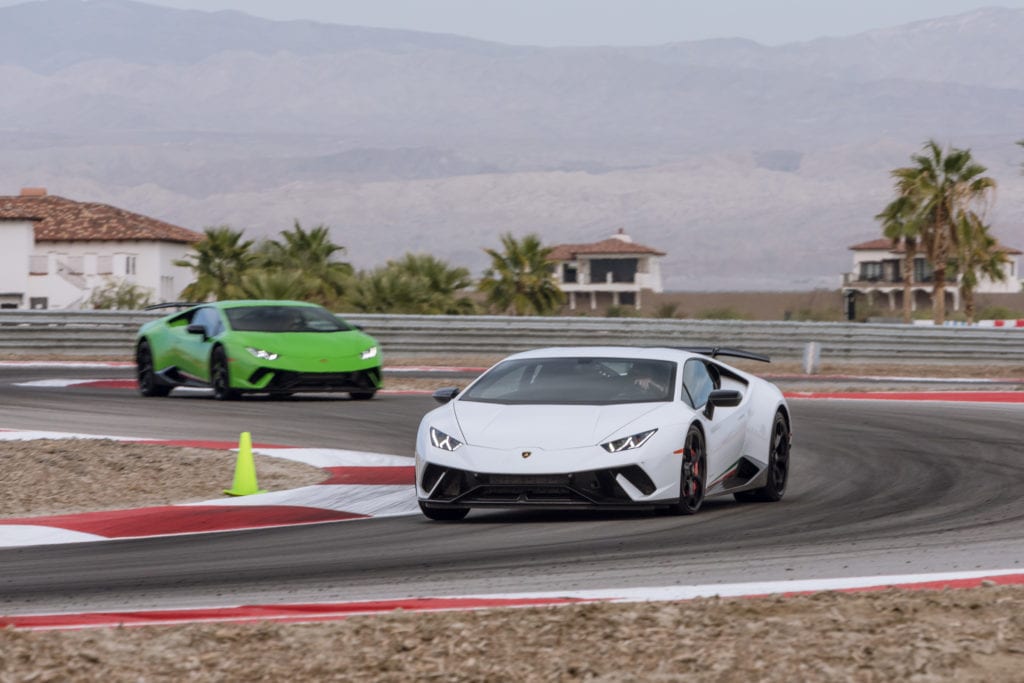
606	22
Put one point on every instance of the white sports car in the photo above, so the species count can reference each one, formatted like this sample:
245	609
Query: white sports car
604	427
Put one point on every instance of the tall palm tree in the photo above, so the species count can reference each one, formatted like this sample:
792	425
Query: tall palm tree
979	254
941	185
418	284
521	278
442	288
898	225
218	262
312	253
267	283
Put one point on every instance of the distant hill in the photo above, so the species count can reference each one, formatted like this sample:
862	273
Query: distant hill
752	166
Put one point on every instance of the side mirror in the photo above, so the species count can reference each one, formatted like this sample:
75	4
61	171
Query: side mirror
196	329
446	394
721	398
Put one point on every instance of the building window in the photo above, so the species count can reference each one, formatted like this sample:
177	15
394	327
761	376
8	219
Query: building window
871	271
76	265
627	298
38	303
167	288
922	270
38	264
129	265
105	264
569	274
613	270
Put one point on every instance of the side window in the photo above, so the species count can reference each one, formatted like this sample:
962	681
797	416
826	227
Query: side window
208	318
697	383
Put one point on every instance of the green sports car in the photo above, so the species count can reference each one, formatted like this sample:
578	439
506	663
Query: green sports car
275	347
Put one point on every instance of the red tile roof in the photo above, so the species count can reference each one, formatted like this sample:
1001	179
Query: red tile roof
63	220
611	246
883	243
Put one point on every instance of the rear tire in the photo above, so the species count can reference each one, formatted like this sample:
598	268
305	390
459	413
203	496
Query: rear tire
778	466
149	383
693	475
444	514
220	376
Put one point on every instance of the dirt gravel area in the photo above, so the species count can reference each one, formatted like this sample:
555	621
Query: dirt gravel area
56	476
969	635
963	635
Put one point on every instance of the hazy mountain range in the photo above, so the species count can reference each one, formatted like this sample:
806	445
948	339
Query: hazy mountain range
752	166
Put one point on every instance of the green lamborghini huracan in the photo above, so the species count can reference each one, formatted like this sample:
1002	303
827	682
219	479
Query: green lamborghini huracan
271	347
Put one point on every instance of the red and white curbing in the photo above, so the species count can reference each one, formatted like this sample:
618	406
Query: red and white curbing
358	485
333	611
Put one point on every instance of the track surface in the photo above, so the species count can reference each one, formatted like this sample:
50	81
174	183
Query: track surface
877	488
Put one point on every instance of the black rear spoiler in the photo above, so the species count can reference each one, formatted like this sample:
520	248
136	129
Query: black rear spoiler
714	351
171	304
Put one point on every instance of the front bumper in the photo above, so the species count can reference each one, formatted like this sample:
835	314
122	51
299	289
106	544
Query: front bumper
267	379
603	488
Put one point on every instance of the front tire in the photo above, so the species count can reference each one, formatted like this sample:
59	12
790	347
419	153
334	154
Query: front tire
361	395
220	376
778	466
693	475
149	384
443	514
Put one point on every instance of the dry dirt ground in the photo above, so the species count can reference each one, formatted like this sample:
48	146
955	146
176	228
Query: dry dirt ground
963	635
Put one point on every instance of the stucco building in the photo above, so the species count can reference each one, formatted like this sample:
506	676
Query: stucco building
877	274
56	251
612	272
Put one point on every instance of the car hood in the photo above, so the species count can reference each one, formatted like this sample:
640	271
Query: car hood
493	425
307	344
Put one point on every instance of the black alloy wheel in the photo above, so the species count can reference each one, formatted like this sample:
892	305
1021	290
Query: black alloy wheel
220	376
149	383
778	465
443	514
693	476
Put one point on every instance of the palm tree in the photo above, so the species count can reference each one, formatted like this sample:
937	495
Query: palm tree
941	186
521	278
418	284
313	254
219	261
265	283
384	290
898	225
442	288
979	254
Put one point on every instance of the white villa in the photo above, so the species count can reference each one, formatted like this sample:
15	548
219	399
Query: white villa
877	273
57	251
611	272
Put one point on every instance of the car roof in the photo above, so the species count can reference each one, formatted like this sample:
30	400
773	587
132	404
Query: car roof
648	352
237	303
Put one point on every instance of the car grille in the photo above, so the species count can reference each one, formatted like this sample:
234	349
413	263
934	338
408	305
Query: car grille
591	488
360	380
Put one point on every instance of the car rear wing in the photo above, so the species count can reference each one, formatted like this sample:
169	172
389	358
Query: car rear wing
171	304
715	351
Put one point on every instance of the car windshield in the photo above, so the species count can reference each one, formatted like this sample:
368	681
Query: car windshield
586	381
284	319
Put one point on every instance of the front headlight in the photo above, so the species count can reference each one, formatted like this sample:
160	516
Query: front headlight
629	442
262	354
369	353
441	440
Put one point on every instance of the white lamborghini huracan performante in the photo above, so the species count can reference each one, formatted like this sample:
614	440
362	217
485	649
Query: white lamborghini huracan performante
606	428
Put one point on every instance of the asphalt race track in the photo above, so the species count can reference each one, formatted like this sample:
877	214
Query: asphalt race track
878	488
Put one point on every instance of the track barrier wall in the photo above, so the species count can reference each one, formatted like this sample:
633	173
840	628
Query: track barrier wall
111	334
